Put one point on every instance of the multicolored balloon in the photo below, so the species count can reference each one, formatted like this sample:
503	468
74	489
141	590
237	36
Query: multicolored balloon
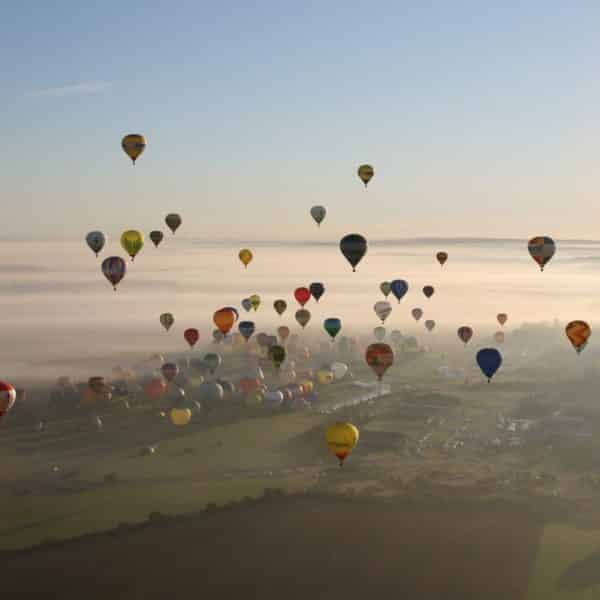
95	240
341	439
578	333
114	269
465	333
255	301
133	145
132	242
380	357
542	249
8	396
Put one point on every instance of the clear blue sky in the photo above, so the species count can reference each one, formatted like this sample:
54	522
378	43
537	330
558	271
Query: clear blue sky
480	118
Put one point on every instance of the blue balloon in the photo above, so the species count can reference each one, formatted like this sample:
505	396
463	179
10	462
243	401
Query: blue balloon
399	288
246	328
489	361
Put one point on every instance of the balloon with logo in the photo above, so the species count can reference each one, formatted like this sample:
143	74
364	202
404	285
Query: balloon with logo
386	288
317	290
501	318
428	291
430	324
169	370
541	249
246	304
277	355
332	326
489	361
465	333
442	257
224	320
8	397
255	301
114	268
341	439
156	237
366	172
283	332
245	256
302	317
499	337
318	214
133	145
191	336
280	306
382	309
380	357
417	313
578	333
167	320
302	295
173	222
399	288
353	246
246	328
95	240
379	333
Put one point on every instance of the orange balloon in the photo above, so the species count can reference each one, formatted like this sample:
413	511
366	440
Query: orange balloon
224	320
578	333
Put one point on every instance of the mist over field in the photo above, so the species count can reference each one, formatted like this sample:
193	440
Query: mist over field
60	313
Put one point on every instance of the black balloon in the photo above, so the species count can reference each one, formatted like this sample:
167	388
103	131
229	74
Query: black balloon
353	247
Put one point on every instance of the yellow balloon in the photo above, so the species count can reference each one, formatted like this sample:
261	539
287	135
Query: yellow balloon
132	242
254	301
133	145
324	377
245	256
341	439
181	416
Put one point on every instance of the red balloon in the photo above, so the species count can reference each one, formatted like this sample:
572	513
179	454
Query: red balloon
302	294
155	388
380	358
8	395
191	336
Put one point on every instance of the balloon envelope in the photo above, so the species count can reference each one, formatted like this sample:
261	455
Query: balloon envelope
317	290
280	306
428	291
277	355
170	371
133	145
156	237
191	336
132	241
302	317
255	301
430	324
332	326
246	328
95	240
246	304
399	288
380	357
541	249
224	320
245	256
167	320
417	313
302	295
212	361
366	172
386	288
489	361
318	213
578	333
442	257
379	333
382	309
465	333
173	221
353	247
8	396
114	268
341	439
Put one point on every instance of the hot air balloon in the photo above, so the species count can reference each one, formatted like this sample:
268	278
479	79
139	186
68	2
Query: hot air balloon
578	333
442	257
246	304
167	320
379	333
399	288
339	370
155	388
277	355
212	361
169	370
542	249
366	172
318	214
386	288
245	256
430	324
283	332
173	221
95	240
489	361
353	247
8	396
191	336
235	312
156	237
218	336
246	328
255	301
302	317
133	145
382	309
428	291
380	357
465	333
280	306
132	242
302	295
224	320
502	318
114	269
341	439
317	290
499	337
417	313
332	326
180	416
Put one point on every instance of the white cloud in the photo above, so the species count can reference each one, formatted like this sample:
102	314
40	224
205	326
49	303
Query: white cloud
75	89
